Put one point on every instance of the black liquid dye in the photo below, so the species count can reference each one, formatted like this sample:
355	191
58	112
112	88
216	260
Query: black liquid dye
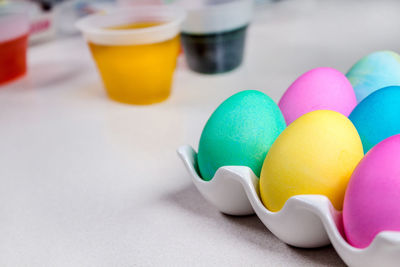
215	52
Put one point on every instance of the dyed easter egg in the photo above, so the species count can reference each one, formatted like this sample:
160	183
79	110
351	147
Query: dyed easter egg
239	132
378	116
320	88
316	154
371	203
374	71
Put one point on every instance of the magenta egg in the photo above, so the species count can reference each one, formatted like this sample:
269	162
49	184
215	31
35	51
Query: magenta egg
320	88
372	199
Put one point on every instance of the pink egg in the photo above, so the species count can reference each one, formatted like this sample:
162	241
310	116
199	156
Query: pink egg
372	200
320	88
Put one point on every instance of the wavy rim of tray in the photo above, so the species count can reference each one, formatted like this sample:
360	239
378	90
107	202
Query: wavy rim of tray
391	238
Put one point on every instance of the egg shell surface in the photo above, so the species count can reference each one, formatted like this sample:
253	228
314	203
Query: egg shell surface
378	116
374	71
239	133
318	89
372	198
316	154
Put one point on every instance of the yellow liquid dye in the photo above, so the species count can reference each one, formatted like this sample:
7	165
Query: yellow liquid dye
136	25
137	74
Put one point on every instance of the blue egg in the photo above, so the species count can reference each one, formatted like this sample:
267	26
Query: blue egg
377	117
374	71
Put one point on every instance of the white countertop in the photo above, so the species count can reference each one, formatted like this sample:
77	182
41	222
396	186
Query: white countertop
85	181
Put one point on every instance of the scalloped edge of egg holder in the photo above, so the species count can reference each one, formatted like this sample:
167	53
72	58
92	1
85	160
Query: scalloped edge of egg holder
305	221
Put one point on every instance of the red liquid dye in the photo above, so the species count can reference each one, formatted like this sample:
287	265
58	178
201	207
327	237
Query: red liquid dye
13	58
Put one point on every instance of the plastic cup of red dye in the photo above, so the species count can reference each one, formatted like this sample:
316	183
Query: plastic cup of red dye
14	31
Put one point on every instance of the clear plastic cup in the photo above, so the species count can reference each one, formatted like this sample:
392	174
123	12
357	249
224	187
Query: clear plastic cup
14	31
135	50
214	32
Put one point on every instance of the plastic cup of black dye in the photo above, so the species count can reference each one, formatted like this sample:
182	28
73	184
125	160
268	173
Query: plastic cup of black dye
214	33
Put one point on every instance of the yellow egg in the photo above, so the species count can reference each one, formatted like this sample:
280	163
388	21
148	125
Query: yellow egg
316	154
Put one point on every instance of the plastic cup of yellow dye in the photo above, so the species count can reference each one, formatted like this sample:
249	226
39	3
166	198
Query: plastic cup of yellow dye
135	50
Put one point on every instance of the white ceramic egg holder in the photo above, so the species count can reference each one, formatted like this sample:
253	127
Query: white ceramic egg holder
305	221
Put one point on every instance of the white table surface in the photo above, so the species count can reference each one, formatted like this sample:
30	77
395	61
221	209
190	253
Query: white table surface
85	181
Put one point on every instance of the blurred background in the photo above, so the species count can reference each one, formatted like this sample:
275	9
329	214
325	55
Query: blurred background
85	181
306	33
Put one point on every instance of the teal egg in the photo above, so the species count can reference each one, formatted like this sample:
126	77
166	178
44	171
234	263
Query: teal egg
374	71
377	117
239	133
